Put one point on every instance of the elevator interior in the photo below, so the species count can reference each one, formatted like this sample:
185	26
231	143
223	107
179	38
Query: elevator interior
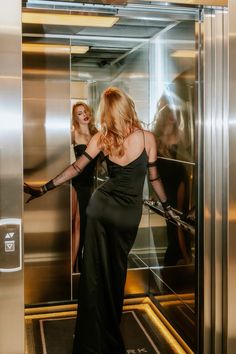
151	53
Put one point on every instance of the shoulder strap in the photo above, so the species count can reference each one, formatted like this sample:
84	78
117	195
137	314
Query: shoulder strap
144	140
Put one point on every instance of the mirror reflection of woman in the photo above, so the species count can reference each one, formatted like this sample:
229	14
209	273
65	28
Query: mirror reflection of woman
169	133
83	128
172	146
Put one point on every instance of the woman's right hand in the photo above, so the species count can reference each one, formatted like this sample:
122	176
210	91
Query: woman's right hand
34	192
170	214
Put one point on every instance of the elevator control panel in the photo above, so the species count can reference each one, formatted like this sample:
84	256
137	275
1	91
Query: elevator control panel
10	245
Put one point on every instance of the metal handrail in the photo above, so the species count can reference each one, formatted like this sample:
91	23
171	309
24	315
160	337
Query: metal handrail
157	208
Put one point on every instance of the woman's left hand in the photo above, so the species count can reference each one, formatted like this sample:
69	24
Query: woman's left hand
35	192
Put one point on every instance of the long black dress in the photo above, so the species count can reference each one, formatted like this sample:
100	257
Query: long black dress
113	216
173	173
83	185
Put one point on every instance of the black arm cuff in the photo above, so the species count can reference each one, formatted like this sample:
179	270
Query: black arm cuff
152	164
88	156
165	205
48	186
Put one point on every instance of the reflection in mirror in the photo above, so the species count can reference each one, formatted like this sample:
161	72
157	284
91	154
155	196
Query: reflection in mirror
83	128
173	125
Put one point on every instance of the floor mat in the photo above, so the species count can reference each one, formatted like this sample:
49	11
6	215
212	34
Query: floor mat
55	335
50	331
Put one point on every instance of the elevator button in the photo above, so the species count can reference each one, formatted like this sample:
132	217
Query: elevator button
10	245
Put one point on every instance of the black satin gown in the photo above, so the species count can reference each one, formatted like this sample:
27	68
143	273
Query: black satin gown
173	174
113	217
83	185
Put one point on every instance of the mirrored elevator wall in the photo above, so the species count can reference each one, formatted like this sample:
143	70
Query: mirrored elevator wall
131	73
46	109
173	102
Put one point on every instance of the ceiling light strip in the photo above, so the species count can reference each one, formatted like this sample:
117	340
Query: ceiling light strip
79	49
184	53
44	48
42	18
53	48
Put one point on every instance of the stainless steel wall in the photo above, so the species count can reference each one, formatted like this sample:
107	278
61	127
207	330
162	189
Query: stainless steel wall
11	181
46	109
230	334
213	169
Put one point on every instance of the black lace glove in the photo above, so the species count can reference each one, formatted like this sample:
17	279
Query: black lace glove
170	214
36	192
33	192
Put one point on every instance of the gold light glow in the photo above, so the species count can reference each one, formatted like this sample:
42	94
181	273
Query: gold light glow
156	319
79	49
43	18
53	48
183	54
44	48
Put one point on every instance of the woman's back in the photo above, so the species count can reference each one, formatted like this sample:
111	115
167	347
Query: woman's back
134	144
127	173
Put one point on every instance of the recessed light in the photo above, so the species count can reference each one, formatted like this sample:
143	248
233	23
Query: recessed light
45	18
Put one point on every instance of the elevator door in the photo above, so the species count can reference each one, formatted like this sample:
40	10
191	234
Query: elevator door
46	109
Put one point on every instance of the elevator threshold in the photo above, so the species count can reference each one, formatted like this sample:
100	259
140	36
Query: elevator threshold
49	330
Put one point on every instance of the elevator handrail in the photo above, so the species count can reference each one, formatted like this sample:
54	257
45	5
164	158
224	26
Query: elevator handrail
157	208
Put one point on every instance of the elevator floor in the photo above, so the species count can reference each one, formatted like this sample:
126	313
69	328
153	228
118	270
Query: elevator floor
49	330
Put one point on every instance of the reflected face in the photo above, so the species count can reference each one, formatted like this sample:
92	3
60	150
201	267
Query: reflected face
171	118
81	115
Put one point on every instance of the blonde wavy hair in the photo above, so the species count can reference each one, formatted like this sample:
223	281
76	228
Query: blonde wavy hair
161	124
92	128
118	119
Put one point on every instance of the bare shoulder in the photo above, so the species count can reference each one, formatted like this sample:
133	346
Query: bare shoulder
95	137
149	138
92	147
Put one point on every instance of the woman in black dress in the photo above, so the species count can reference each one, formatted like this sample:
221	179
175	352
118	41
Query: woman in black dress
83	128
113	217
172	145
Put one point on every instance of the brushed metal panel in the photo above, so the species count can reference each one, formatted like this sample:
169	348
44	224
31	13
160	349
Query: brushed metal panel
11	179
206	212
221	127
215	178
231	318
46	89
225	176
